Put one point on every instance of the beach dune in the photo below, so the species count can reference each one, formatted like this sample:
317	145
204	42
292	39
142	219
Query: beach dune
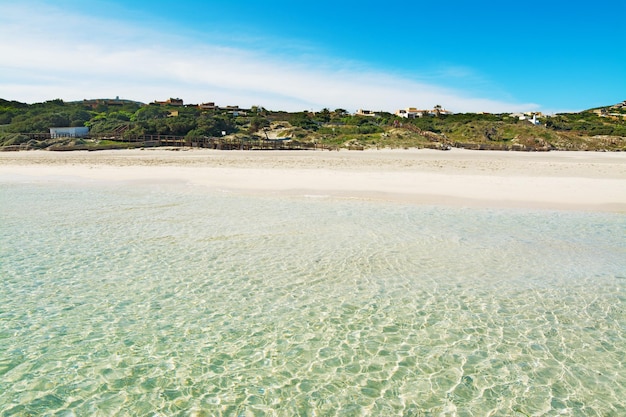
551	180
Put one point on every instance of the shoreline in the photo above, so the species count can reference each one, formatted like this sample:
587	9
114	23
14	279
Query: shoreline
587	181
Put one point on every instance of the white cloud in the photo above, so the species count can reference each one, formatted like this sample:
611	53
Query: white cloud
70	56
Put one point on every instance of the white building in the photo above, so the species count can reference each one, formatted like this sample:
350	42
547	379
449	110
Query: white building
369	113
69	132
413	112
410	113
530	117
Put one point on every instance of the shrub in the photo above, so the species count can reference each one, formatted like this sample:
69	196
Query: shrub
13	139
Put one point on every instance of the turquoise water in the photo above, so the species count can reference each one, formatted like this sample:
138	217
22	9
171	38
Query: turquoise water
150	301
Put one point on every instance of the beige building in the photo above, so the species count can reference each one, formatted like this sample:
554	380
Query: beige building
170	102
413	112
410	113
361	112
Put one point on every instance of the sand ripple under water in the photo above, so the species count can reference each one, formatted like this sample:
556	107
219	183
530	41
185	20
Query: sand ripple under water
147	301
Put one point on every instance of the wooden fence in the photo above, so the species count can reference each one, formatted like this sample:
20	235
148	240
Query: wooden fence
224	143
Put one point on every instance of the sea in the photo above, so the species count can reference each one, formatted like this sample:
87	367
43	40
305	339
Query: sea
138	299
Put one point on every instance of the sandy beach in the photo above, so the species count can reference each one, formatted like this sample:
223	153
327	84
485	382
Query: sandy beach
552	180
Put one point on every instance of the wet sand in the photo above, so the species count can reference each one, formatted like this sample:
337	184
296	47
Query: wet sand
552	180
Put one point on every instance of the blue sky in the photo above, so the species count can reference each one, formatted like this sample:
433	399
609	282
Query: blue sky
476	56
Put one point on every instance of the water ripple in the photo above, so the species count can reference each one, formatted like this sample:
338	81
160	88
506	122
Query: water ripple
145	302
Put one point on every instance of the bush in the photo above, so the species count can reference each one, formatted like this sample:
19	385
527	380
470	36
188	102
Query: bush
368	129
13	139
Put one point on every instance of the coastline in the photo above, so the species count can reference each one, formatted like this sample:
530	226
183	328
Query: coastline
589	181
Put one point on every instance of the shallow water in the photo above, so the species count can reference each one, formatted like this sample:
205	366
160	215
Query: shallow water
145	300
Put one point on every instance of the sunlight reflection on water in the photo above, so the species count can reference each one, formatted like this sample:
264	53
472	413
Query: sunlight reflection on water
145	300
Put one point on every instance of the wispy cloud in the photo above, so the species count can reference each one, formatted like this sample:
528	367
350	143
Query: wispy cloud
60	54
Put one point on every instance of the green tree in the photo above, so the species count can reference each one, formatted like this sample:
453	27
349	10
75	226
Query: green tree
213	126
56	119
55	102
339	113
303	120
120	115
323	116
6	116
180	126
150	113
257	123
79	117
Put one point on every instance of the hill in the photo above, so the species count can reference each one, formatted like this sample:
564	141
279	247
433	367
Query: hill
125	123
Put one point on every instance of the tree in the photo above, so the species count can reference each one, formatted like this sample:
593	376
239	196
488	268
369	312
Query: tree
56	102
6	116
213	126
258	123
120	115
323	116
57	120
339	113
180	126
303	120
260	110
150	112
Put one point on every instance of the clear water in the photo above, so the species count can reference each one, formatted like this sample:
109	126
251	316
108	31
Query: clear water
144	300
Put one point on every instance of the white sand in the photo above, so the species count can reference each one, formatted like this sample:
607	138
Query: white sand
552	180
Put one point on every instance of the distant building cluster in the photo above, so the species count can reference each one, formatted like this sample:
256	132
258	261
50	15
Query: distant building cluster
606	112
407	113
234	110
414	112
170	102
615	112
107	102
529	116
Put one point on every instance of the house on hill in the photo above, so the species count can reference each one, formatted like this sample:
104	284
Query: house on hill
170	102
207	106
528	116
94	103
410	113
234	110
413	112
368	113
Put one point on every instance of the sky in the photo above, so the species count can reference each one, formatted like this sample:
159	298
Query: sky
480	56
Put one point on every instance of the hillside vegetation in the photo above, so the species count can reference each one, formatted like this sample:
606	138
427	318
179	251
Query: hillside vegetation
125	124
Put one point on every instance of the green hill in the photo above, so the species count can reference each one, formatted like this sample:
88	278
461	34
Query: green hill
123	123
